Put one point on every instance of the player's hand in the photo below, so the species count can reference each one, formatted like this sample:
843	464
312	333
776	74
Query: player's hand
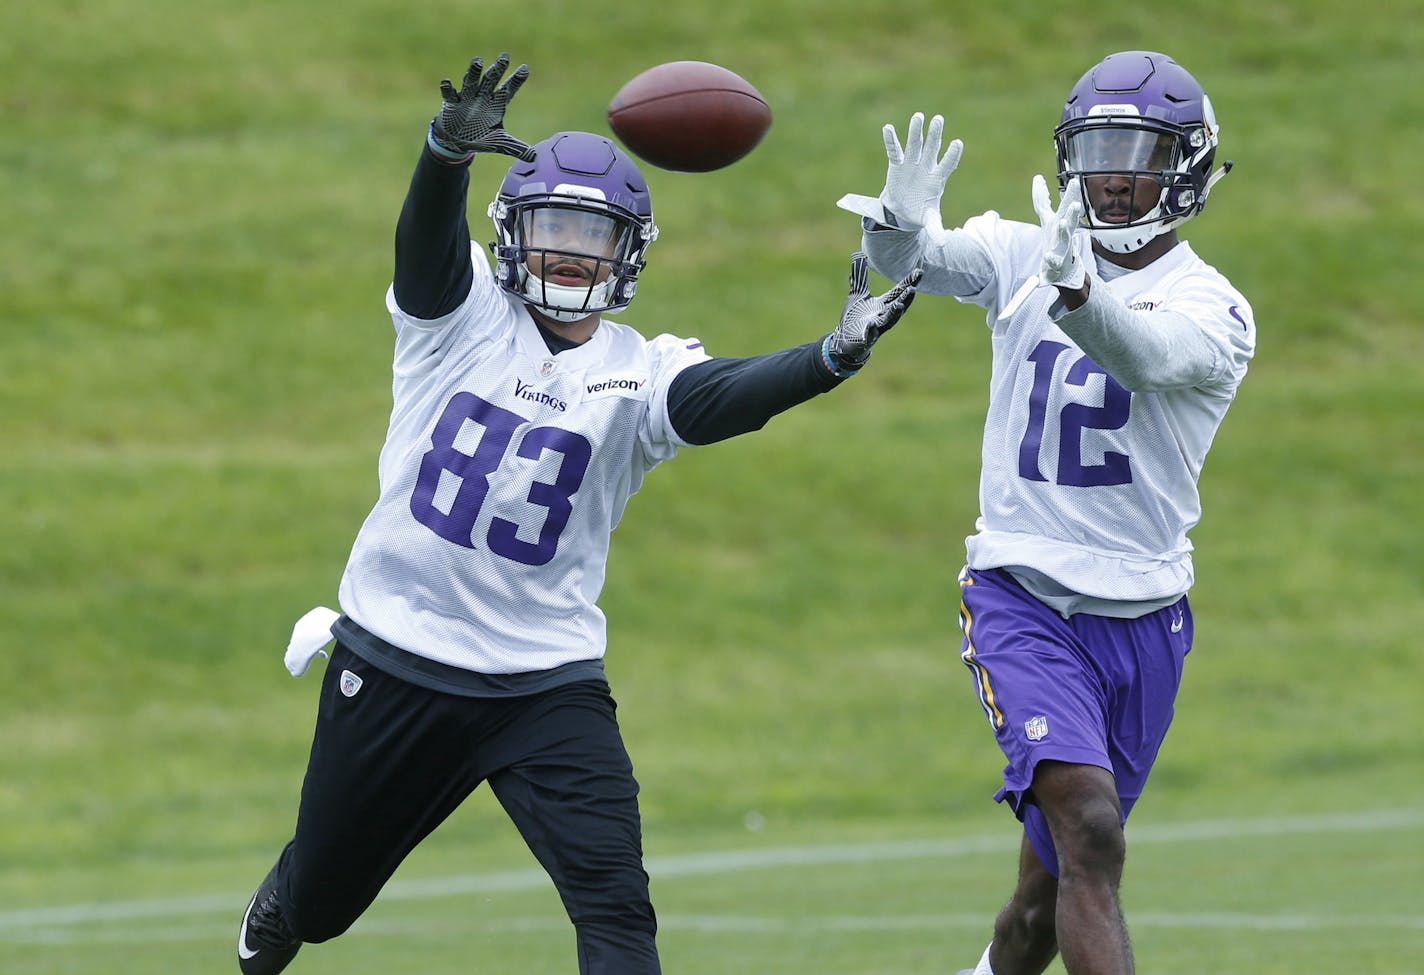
1062	266
915	177
471	120
865	318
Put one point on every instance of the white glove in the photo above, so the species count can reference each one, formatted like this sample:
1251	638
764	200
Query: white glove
311	633
1062	266
914	179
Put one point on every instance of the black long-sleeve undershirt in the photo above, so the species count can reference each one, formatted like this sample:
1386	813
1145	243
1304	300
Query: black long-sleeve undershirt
723	398
433	273
707	402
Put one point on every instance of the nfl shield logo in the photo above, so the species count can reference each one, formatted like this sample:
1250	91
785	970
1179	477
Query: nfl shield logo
1036	728
546	368
350	683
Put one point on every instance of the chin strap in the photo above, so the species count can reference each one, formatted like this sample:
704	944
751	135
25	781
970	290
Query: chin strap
566	304
1128	245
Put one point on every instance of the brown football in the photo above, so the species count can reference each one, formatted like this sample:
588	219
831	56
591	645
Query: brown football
689	116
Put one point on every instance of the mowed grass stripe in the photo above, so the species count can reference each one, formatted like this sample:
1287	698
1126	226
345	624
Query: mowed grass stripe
732	861
731	924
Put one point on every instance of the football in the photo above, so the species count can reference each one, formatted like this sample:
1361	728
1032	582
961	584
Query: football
689	116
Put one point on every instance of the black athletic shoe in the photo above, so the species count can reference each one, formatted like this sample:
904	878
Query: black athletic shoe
265	944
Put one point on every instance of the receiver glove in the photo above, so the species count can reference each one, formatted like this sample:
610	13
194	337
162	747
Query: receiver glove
1062	266
865	318
471	120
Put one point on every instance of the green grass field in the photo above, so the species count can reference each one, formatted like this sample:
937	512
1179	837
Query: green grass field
843	907
199	202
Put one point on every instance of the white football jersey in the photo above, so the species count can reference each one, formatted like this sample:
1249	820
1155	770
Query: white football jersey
505	470
1087	483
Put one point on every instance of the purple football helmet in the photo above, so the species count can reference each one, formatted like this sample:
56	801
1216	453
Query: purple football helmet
1140	114
582	199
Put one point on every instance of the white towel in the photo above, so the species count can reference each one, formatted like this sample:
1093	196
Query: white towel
310	636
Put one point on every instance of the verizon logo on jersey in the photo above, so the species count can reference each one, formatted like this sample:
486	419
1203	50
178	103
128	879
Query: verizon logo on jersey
527	392
612	384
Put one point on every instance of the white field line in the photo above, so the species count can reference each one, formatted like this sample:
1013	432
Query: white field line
716	924
749	924
34	921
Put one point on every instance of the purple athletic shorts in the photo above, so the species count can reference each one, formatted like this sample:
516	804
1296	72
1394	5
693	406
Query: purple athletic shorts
1090	690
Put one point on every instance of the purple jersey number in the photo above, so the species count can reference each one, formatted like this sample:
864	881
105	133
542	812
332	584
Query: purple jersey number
1073	419
474	469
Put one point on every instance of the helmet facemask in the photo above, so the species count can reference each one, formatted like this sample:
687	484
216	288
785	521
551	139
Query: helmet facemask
568	255
572	227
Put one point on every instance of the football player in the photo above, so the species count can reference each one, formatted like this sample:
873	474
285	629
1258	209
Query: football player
469	647
1116	352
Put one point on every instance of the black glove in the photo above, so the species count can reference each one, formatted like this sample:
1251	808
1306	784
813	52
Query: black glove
471	120
865	318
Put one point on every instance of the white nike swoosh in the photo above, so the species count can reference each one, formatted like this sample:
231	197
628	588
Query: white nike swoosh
243	951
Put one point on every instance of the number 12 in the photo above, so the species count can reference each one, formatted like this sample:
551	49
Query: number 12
1073	419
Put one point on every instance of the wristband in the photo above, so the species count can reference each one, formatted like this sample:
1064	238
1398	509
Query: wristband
443	154
829	361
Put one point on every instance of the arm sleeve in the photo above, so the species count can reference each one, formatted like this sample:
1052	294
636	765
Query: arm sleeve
1145	351
953	262
722	398
433	273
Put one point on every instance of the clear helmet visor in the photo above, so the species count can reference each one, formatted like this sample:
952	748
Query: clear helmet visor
573	231
1120	149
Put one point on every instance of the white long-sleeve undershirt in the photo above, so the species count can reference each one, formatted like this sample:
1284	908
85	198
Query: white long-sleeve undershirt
1145	351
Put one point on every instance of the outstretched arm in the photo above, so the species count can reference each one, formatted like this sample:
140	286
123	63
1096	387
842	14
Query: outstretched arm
726	397
722	398
903	228
432	265
433	272
915	177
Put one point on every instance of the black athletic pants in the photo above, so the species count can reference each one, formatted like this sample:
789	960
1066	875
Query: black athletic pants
392	760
